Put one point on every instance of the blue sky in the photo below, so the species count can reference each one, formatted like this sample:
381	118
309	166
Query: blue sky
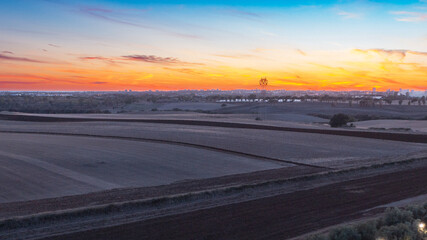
232	40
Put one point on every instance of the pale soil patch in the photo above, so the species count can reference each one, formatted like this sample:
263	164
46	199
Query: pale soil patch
300	147
414	125
38	166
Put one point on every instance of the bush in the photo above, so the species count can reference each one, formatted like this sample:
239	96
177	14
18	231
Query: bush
344	233
339	120
395	216
367	230
418	212
396	224
397	232
317	237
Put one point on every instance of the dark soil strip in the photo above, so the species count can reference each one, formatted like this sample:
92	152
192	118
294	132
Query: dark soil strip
404	137
8	210
210	148
279	217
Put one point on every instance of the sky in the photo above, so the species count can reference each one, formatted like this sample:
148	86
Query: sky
100	45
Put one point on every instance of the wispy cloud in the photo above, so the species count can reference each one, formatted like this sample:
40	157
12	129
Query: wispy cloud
118	17
102	13
20	76
26	31
410	16
114	17
53	45
296	82
95	58
241	13
99	82
151	59
261	50
348	15
236	56
399	53
157	60
7	52
36	78
105	59
301	52
18	82
184	70
140	58
20	59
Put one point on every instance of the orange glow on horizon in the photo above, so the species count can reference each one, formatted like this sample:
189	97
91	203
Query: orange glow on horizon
353	70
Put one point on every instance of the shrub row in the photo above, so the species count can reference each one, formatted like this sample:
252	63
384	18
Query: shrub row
396	224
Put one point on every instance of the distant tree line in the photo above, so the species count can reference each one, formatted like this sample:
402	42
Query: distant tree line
115	102
63	104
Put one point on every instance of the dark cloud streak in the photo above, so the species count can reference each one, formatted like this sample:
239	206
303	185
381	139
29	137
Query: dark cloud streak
20	59
112	61
53	45
157	60
139	58
18	82
152	59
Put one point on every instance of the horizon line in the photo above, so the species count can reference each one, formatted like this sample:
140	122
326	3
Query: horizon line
219	90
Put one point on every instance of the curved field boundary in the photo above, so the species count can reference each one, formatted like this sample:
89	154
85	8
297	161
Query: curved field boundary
185	144
403	137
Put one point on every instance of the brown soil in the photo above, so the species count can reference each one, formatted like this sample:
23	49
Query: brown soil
14	209
279	217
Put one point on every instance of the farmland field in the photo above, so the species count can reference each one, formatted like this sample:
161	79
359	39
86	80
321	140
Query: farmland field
56	165
67	165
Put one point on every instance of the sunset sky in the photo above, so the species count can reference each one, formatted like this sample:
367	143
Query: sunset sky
170	45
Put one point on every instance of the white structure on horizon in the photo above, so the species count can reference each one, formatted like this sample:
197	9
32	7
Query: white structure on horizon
412	93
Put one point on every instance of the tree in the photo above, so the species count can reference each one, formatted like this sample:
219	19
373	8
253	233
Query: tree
344	233
339	120
252	96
